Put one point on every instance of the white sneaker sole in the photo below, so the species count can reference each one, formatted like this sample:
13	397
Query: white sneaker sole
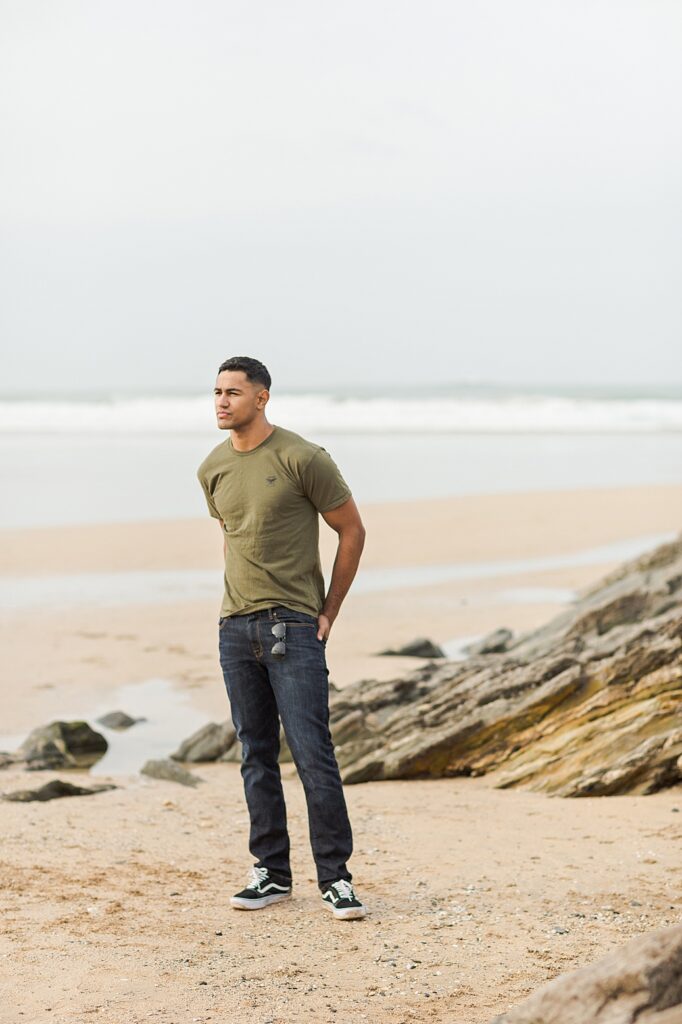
264	901
346	913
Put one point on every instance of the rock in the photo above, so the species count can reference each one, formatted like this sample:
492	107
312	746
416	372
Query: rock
671	1016
170	771
492	643
233	754
118	720
62	745
210	742
641	981
215	742
421	648
588	704
53	790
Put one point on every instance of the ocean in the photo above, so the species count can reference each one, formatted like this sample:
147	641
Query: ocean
69	459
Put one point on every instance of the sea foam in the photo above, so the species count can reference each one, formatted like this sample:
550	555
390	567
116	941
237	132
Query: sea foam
384	414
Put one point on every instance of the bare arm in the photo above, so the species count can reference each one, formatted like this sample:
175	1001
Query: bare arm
346	521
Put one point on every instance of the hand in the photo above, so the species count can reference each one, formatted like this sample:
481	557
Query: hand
324	625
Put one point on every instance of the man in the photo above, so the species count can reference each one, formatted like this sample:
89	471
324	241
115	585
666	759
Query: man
268	486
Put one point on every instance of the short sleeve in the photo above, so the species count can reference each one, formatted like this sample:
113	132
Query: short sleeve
323	484
209	500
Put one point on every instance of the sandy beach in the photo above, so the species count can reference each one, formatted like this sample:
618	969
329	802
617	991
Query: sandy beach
114	907
445	235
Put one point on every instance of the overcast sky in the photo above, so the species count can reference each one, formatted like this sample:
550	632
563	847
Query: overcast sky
357	191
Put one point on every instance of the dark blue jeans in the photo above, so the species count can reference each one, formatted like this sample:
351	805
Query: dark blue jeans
262	688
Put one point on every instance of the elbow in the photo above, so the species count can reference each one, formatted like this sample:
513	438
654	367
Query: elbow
353	534
361	533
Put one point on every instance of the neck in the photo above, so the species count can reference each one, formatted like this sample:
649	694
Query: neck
251	436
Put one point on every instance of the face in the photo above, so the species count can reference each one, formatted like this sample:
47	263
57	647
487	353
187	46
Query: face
238	400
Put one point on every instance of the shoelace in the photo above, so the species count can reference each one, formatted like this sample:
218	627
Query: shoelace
344	889
258	875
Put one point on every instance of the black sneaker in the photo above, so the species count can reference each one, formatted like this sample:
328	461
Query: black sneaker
342	901
261	891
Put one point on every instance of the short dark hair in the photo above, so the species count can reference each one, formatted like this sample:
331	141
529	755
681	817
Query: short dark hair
255	371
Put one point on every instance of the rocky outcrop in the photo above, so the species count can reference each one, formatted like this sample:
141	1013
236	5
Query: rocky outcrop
421	648
218	742
589	704
169	771
54	790
118	720
56	746
209	743
641	982
493	643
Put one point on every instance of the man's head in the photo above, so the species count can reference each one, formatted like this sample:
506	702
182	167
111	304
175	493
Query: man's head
241	392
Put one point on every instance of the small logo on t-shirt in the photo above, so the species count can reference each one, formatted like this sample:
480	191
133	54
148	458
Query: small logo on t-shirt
270	480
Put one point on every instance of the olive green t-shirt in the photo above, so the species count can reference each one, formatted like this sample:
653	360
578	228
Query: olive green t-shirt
269	499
